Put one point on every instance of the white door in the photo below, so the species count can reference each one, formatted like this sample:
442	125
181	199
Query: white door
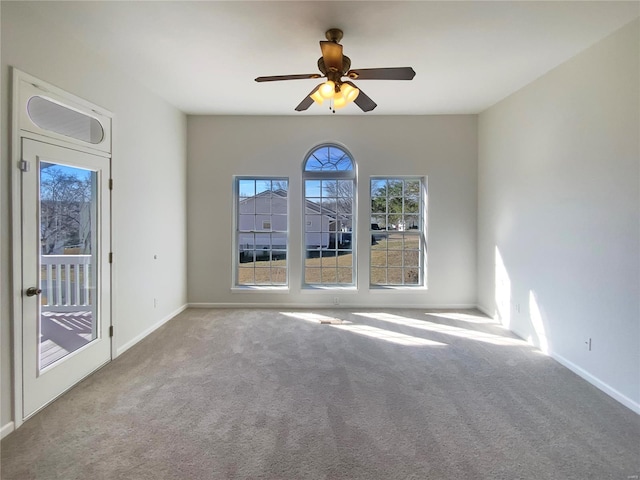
65	269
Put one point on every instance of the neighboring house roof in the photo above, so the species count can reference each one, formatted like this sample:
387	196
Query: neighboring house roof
313	206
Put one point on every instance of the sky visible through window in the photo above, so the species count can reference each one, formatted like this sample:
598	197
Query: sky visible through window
329	158
250	188
64	170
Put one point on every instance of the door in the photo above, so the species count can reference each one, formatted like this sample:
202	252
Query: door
65	270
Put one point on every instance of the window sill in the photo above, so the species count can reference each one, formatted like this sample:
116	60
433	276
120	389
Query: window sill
328	288
396	288
260	288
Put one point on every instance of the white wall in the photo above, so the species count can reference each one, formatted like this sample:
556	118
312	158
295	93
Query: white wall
149	171
441	147
558	213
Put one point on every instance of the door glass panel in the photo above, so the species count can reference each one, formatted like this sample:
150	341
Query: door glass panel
68	215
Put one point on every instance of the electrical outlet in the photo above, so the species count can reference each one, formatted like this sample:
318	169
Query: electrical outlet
518	307
155	303
336	301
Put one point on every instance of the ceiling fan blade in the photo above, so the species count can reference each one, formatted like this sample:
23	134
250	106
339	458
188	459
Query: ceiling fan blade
363	100
275	78
308	101
395	73
332	55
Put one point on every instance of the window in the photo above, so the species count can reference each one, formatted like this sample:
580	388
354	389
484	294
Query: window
261	231
329	185
57	118
397	232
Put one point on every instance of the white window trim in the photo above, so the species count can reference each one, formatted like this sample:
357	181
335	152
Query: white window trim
260	288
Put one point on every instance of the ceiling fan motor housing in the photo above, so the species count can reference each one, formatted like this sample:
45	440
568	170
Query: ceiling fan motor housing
346	66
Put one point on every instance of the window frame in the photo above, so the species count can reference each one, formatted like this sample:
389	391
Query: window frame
420	232
259	220
329	175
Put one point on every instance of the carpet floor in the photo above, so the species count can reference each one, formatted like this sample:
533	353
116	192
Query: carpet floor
328	394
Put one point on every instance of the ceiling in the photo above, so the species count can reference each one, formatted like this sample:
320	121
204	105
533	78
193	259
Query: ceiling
203	56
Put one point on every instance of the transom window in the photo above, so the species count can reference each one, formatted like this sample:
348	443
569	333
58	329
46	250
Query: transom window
397	232
261	231
328	158
329	199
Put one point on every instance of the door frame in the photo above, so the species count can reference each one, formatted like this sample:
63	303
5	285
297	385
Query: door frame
22	127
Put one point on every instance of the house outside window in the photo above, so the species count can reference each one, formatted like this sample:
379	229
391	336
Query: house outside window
398	246
261	231
329	178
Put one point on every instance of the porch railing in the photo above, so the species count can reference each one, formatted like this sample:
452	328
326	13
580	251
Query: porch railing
66	282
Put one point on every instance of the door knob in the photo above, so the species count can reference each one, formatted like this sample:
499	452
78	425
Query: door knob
31	291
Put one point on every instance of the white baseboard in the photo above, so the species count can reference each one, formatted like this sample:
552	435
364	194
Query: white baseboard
120	350
7	429
485	310
612	392
325	305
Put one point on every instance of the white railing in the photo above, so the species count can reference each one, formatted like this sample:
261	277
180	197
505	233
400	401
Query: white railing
66	282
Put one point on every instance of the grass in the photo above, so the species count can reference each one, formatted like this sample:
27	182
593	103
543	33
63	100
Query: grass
394	260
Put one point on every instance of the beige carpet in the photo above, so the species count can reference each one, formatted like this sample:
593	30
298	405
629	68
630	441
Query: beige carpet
268	394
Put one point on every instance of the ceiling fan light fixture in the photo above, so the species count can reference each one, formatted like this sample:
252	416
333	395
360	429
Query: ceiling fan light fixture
339	101
350	93
316	97
327	90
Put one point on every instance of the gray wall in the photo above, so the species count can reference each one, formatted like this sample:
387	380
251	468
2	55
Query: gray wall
149	171
558	213
440	147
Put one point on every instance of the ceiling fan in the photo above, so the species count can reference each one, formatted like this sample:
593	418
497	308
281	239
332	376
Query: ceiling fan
334	65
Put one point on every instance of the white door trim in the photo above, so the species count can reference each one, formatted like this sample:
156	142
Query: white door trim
19	81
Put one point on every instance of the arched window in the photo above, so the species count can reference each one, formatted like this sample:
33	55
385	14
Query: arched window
329	176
